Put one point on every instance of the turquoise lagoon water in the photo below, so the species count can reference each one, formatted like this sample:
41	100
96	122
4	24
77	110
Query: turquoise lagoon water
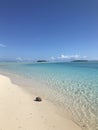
71	86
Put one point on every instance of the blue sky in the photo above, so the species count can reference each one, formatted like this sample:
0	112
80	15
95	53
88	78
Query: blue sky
33	29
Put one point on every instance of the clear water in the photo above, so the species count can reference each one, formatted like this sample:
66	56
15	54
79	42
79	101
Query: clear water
72	86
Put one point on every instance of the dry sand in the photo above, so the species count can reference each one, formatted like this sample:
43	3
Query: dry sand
18	111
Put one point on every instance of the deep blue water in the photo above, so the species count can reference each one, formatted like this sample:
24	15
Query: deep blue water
73	86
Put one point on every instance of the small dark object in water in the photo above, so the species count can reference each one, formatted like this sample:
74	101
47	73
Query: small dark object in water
38	99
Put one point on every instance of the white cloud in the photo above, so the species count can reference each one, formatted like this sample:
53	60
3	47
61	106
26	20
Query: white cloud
2	45
84	57
19	59
63	57
70	57
52	58
75	56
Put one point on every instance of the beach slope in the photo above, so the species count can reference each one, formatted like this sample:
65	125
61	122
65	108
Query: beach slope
18	111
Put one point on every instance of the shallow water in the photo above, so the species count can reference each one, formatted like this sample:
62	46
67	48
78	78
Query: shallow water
72	86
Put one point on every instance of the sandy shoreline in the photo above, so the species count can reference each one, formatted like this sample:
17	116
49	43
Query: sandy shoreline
18	111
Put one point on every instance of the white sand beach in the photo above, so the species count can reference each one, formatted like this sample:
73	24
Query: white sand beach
18	111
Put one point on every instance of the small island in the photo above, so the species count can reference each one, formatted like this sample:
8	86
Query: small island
80	61
40	61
